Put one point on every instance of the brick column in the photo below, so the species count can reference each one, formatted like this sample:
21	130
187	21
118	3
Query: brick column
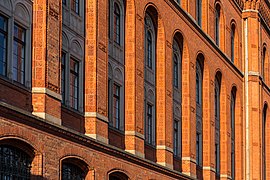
253	104
134	82
47	33
188	113
208	124
96	65
164	126
225	141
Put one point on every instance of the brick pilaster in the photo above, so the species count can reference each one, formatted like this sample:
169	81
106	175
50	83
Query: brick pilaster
96	65
134	82
47	33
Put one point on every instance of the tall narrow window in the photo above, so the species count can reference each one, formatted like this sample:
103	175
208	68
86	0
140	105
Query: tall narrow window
3	46
264	118
15	164
75	6
116	106
232	42
233	134
217	24
74	83
116	22
199	12
217	125
19	54
176	138
175	71
149	80
149	129
116	76
63	76
199	112
263	62
149	50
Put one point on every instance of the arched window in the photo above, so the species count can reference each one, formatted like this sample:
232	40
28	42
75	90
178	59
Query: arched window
73	168
116	24
233	95
199	12
199	107
232	42
72	74
118	176
264	140
15	42
263	62
177	97
15	163
71	172
150	80
217	123
149	45
217	24
116	75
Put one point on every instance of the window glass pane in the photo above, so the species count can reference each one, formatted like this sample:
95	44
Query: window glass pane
149	128
116	24
116	106
176	138
72	172
3	45
63	78
74	83
15	164
175	71
149	50
19	54
75	6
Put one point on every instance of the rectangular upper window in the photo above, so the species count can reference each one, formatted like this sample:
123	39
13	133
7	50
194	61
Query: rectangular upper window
74	83
116	106
3	45
75	6
18	70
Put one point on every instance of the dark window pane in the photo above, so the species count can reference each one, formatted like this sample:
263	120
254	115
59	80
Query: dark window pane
149	50
75	6
63	78
14	163
72	172
116	106
74	83
116	22
19	54
3	46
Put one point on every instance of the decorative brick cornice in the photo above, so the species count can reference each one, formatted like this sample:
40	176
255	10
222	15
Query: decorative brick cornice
264	11
240	3
21	116
251	4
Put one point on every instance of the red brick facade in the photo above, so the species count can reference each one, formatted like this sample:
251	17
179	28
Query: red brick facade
33	119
